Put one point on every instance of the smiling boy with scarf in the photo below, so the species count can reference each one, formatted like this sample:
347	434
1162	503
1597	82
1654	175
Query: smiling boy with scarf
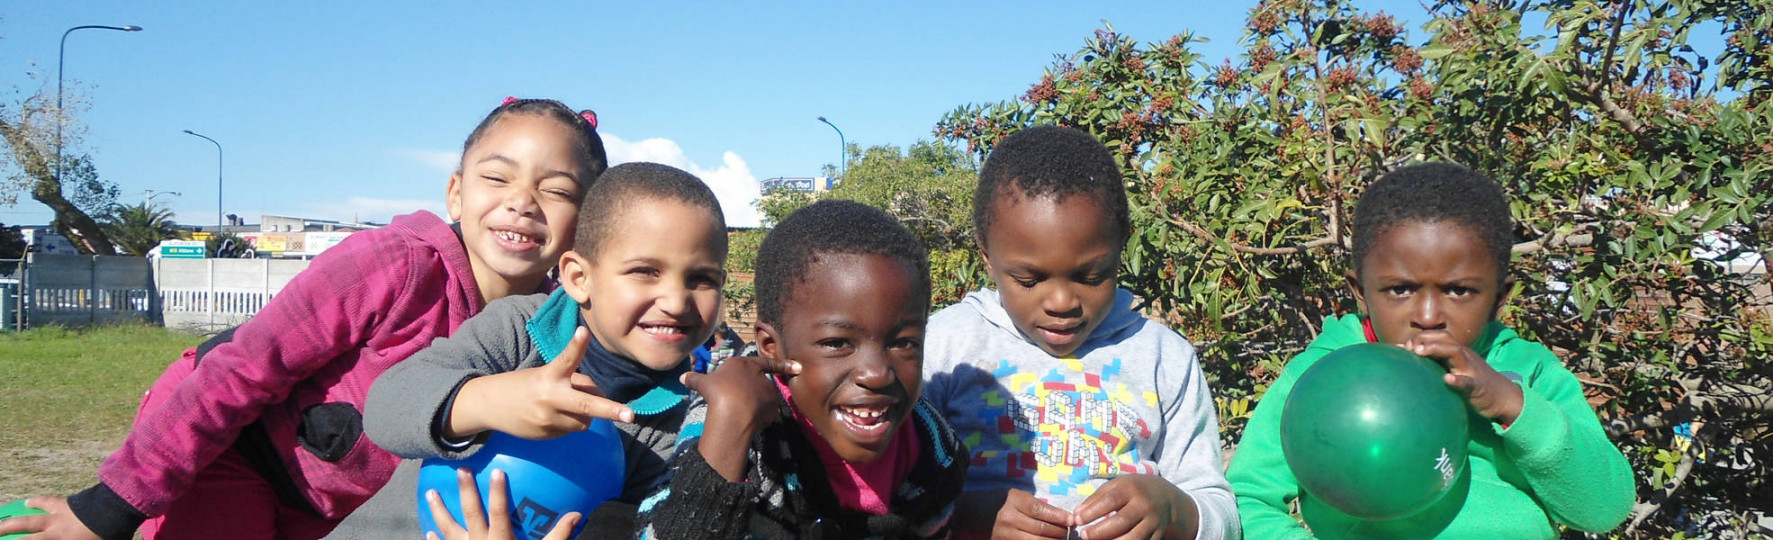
644	277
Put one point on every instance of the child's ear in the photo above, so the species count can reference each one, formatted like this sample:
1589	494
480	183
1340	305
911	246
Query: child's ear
979	243
1504	293
1354	287
453	196
768	342
575	276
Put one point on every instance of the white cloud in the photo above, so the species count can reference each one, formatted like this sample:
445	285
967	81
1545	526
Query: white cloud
443	161
731	181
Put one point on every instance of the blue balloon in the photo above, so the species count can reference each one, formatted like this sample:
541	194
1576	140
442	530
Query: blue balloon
547	479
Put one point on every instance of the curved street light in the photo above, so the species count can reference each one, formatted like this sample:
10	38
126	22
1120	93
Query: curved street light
843	149
61	58
149	195
218	179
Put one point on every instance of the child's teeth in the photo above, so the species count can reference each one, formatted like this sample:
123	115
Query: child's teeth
862	413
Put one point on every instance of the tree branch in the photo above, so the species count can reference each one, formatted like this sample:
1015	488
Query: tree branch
1203	234
1554	241
946	228
1618	114
1643	510
1736	398
1613	45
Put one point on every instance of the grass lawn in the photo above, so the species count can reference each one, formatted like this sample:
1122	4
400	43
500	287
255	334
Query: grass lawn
67	397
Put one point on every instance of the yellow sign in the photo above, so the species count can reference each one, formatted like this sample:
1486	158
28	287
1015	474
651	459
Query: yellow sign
273	243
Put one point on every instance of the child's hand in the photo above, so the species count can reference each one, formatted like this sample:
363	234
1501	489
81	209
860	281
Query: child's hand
1138	506
59	523
493	525
741	401
1009	514
535	403
1489	393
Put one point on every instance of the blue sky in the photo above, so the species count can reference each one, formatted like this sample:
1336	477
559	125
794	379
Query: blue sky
357	110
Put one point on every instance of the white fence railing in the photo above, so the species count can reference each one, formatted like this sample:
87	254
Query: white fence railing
209	295
202	295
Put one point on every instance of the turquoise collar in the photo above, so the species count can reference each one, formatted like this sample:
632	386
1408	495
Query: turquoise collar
552	328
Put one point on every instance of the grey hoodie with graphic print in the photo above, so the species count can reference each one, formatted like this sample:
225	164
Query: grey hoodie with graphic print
1130	400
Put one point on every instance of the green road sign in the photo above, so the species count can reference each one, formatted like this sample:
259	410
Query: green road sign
182	249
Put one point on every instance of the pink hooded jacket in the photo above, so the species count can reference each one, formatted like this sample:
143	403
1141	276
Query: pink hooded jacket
308	357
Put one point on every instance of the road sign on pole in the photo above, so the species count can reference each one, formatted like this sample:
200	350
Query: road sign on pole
182	249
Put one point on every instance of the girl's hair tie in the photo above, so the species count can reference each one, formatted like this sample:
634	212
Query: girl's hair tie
590	118
508	100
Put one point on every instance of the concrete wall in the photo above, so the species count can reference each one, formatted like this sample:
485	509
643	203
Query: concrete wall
78	290
198	295
209	295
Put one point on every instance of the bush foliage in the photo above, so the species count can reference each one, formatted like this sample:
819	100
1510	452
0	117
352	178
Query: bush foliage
1640	170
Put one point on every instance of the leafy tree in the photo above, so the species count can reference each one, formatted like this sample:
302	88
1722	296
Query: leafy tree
138	229
1620	154
929	187
226	245
28	129
12	246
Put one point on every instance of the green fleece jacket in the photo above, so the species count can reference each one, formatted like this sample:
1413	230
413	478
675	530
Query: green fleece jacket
1553	464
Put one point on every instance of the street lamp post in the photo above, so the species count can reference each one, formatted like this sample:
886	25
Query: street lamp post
843	148
60	58
149	195
218	179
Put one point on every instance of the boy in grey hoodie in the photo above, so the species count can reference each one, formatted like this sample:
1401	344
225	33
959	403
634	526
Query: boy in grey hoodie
1085	419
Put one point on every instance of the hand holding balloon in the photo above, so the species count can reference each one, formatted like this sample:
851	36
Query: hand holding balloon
1374	432
48	517
1489	393
495	523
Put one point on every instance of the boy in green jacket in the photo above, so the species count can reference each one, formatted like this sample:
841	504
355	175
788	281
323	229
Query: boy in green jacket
1431	254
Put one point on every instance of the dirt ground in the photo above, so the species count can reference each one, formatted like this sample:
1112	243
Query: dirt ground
62	470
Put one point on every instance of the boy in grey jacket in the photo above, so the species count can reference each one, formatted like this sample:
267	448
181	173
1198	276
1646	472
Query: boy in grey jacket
1083	416
644	276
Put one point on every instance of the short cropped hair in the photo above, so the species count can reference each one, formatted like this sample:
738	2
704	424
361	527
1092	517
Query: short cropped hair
1432	193
831	227
1054	161
617	191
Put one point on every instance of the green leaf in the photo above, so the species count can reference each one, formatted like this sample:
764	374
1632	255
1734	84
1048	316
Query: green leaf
1435	51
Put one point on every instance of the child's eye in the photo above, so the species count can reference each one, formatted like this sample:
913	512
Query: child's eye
1460	291
559	194
1026	283
908	343
1398	290
644	271
493	179
833	344
1093	279
706	281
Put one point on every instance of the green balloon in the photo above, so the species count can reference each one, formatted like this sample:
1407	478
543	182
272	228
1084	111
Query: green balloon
17	509
1372	430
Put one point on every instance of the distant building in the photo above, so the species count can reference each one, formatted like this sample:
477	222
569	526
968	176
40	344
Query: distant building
44	239
287	236
814	184
269	223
